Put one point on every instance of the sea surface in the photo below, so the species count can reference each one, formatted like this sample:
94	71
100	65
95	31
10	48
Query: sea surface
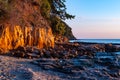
113	41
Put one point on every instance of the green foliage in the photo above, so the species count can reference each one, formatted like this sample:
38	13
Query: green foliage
68	32
55	12
45	8
60	28
57	26
58	8
55	7
4	4
4	10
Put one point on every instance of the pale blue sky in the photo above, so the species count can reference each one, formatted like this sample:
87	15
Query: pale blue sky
94	18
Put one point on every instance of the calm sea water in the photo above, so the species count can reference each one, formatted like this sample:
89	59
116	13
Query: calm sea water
114	41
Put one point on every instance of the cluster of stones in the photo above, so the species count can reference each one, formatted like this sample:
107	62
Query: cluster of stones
63	51
102	66
75	60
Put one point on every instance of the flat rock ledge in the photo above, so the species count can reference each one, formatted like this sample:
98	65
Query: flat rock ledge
84	68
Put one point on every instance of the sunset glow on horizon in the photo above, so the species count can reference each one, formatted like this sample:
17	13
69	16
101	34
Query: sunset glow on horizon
95	19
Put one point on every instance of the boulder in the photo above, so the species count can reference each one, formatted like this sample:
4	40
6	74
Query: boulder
111	48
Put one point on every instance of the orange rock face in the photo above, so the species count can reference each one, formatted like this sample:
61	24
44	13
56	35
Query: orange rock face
23	25
11	38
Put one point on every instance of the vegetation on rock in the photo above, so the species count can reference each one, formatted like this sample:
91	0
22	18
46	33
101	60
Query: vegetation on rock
60	28
52	10
22	24
58	8
29	23
55	12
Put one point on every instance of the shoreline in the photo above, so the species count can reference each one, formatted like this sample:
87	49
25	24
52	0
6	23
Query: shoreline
72	41
64	50
115	44
67	61
86	42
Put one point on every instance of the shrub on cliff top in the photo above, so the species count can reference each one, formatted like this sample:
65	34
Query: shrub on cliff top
4	10
58	8
57	26
45	8
55	7
52	10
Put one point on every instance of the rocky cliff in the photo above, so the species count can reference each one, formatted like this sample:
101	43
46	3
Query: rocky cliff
21	24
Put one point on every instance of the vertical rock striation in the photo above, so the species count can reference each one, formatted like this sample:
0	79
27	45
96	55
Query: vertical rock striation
11	38
23	25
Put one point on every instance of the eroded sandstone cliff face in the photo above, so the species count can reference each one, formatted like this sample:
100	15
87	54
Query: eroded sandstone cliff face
11	38
23	25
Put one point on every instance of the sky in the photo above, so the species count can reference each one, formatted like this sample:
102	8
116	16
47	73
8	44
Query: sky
94	19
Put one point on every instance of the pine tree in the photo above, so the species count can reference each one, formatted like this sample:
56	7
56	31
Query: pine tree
58	8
